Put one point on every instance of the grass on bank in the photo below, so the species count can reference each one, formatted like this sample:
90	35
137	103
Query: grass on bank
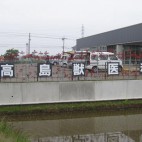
69	107
7	134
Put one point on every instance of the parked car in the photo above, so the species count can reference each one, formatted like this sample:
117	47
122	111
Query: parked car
54	60
65	58
99	60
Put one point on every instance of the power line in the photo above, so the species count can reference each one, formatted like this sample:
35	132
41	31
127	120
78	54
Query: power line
51	37
12	34
34	46
33	35
55	37
44	37
12	43
28	44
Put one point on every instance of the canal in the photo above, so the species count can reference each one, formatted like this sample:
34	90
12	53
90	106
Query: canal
116	126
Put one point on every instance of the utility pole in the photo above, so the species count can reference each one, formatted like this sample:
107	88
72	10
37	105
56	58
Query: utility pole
63	39
27	48
29	43
82	31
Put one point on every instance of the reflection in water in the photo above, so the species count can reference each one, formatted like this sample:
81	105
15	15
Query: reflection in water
91	128
104	137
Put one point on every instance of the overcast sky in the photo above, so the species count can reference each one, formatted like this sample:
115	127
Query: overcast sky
48	20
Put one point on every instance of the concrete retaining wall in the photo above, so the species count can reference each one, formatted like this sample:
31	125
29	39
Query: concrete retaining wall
51	92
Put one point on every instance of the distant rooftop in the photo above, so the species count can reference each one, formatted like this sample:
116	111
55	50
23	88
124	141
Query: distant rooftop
126	35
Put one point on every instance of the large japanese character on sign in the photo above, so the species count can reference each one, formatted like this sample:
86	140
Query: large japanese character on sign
140	67
45	70
78	69
7	70
113	68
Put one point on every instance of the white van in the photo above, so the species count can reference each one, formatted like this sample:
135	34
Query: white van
99	60
80	57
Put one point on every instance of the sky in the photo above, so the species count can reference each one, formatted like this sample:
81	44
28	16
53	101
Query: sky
48	21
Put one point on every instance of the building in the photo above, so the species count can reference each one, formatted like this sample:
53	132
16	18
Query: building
126	42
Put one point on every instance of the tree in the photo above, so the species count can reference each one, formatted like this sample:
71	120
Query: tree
11	54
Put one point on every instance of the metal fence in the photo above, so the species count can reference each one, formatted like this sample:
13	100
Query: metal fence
29	73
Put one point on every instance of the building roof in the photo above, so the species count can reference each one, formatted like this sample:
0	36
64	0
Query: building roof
126	35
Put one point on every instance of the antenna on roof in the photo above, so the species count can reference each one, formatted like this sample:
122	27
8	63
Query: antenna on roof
82	31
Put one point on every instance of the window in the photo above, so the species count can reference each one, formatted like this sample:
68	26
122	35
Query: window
77	57
64	58
94	57
112	57
103	57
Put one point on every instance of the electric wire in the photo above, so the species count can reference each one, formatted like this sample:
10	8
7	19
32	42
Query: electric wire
10	43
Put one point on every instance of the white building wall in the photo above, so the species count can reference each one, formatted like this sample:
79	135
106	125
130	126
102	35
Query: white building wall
119	49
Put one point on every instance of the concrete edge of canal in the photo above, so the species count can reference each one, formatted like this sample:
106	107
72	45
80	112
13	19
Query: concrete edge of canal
64	92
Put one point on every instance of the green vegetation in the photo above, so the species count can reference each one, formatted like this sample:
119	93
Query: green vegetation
7	134
11	54
71	107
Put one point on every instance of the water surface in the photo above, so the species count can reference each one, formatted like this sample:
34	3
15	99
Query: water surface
122	126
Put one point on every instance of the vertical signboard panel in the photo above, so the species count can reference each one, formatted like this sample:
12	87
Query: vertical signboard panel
6	70
44	70
78	69
113	68
141	67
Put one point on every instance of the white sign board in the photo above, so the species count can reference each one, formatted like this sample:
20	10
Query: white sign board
7	70
78	69
112	68
44	70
